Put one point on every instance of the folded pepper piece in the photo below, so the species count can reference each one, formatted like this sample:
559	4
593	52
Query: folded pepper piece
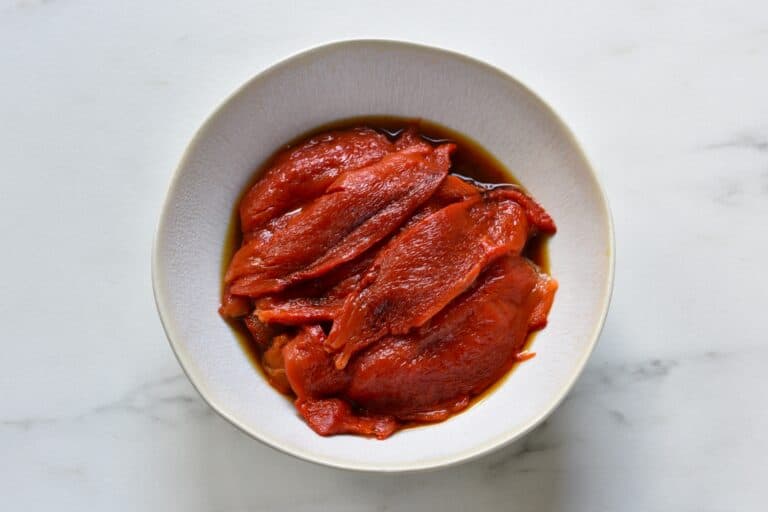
303	173
424	268
360	208
435	370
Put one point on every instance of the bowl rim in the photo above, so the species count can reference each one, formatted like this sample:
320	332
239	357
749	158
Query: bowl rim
429	464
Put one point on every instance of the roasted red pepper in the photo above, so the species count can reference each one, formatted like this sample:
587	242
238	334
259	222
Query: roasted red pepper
379	288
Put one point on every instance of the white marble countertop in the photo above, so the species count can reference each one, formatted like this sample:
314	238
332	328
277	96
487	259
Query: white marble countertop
98	100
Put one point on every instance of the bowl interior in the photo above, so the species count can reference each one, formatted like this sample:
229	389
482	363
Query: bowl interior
360	78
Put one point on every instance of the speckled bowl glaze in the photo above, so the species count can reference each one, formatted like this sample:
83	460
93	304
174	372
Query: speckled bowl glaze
358	78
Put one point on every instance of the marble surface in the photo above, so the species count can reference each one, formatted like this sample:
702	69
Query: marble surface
98	100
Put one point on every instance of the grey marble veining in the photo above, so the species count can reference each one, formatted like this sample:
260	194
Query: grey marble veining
97	101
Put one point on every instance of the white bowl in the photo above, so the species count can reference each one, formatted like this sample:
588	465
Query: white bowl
356	78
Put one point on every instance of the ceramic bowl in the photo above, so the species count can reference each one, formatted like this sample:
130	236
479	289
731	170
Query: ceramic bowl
358	78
